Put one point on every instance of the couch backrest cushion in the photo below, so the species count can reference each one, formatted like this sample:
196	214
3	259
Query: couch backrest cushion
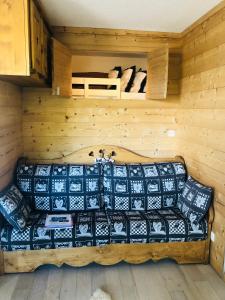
62	187
143	187
195	200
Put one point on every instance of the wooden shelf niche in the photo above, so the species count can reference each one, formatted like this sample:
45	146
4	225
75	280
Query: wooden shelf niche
162	67
98	65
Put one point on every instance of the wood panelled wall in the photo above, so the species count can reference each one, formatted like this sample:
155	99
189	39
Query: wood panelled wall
55	126
201	135
10	130
84	40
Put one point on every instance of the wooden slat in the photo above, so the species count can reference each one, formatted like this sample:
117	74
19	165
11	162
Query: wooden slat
138	125
201	121
10	130
133	96
121	155
95	93
28	261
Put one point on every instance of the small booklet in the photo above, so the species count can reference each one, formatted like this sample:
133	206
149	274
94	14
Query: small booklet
59	221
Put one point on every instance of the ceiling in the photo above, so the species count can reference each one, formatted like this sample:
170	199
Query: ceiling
150	15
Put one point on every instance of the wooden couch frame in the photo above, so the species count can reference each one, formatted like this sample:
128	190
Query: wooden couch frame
181	252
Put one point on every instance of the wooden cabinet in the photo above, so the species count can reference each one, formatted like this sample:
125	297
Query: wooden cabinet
14	37
158	62
24	43
36	38
40	42
164	73
45	52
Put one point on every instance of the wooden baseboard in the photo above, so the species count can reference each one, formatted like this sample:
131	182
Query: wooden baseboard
181	252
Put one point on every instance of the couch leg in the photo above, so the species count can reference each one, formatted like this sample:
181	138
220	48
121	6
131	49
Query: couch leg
1	263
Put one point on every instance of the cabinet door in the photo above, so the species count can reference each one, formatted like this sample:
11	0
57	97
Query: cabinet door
44	51
157	81
36	38
14	38
61	69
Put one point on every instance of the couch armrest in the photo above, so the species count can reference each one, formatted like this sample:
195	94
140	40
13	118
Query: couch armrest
210	215
1	262
1	252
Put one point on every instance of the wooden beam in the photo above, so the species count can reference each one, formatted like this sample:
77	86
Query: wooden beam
115	40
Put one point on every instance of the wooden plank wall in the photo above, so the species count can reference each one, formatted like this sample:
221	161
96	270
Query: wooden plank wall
201	136
10	130
84	40
55	126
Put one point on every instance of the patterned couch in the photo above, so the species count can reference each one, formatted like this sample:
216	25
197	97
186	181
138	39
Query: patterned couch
110	204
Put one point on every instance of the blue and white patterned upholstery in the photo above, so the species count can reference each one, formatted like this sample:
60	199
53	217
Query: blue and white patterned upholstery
110	203
142	187
195	200
61	188
14	207
101	228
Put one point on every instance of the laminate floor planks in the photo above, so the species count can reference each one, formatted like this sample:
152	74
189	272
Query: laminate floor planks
164	280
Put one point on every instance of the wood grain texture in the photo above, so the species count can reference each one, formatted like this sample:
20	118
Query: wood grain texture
115	40
207	19
201	135
10	136
10	130
55	126
162	281
181	252
36	32
14	38
23	44
61	69
39	42
88	92
120	155
164	71
158	65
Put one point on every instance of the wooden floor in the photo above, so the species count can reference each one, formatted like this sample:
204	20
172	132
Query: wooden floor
154	281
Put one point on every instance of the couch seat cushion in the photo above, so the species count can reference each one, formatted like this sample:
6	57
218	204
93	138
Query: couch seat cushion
165	225
100	228
90	229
